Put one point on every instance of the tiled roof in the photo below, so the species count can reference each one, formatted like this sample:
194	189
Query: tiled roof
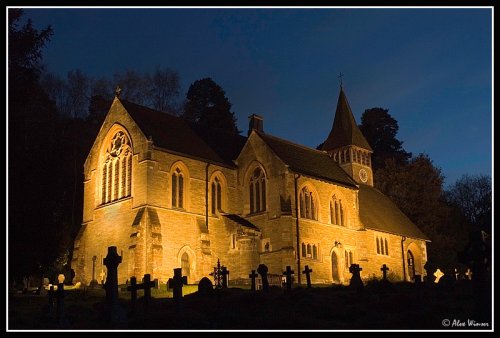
344	131
308	161
378	212
176	134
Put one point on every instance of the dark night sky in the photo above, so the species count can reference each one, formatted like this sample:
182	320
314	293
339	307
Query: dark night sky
431	67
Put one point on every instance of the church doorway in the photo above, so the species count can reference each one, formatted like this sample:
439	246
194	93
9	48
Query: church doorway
335	268
411	265
185	265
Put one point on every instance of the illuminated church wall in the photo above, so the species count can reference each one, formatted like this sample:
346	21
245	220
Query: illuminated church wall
157	227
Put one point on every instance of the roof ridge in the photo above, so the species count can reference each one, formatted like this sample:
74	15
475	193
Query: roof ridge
295	144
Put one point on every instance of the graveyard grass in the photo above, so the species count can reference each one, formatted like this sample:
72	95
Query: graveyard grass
399	306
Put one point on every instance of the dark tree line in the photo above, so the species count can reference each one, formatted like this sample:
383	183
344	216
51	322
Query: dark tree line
416	186
52	124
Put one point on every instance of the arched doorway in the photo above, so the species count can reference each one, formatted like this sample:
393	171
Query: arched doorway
185	265
411	265
335	268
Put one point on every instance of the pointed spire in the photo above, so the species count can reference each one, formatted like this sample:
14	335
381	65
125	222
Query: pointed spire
344	131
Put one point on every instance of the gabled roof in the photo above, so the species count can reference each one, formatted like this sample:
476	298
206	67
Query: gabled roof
379	213
241	221
344	131
178	135
308	161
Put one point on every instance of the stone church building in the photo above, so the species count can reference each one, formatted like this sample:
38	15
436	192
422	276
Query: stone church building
170	193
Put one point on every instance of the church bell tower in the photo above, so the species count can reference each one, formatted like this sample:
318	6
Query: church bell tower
347	145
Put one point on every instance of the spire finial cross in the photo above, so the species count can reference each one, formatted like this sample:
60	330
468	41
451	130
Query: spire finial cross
118	91
340	77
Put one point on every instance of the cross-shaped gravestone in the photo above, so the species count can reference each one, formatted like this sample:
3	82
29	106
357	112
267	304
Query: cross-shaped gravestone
468	274
147	284
225	276
133	292
356	282
288	273
253	275
307	272
262	270
438	274
112	261
102	276
384	270
457	274
176	283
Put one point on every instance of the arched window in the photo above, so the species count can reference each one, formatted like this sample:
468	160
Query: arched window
347	155
382	246
177	189
303	250
117	169
307	204
336	211
315	252
367	159
386	247
186	269
378	246
216	195
257	191
309	253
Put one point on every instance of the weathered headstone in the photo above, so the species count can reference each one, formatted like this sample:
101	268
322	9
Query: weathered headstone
225	276
262	270
253	276
307	272
288	273
356	283
205	287
384	270
176	284
112	261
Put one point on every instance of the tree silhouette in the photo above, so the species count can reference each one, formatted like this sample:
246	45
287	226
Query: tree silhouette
207	104
380	129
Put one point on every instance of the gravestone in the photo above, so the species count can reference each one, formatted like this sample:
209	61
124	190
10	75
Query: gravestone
176	284
288	273
102	276
438	274
205	287
225	276
147	284
468	274
93	282
60	302
52	294
60	278
356	283
112	261
262	270
457	274
253	276
307	272
133	293
384	270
